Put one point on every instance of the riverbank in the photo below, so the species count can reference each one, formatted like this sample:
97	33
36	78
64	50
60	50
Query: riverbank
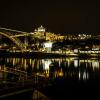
33	54
36	54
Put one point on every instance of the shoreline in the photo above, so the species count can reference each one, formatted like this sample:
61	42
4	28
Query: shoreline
44	55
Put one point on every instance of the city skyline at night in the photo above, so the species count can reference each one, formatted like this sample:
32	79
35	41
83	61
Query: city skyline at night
49	49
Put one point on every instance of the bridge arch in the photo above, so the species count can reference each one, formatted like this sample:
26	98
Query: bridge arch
15	40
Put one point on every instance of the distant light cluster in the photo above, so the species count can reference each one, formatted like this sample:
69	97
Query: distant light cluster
41	33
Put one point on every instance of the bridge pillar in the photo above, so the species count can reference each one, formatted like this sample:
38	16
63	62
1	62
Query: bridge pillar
26	42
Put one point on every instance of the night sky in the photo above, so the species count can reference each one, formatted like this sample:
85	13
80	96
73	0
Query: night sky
59	17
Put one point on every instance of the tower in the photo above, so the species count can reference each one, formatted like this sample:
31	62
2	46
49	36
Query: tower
41	31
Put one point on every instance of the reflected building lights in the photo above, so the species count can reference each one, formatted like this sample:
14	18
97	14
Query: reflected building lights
25	64
7	60
17	60
55	74
37	64
72	67
95	65
46	73
14	61
59	63
33	62
68	63
75	63
91	62
46	65
60	73
30	61
83	75
79	75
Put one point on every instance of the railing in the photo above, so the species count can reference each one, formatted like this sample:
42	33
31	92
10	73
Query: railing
13	71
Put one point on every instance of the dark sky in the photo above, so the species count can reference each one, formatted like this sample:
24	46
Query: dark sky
58	17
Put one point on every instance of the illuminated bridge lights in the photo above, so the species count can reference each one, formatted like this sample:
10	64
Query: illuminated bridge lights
15	40
89	52
40	33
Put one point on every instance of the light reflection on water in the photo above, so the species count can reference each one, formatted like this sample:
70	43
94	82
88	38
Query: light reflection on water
74	68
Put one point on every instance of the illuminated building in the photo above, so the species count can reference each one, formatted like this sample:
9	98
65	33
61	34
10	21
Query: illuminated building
40	32
48	46
40	29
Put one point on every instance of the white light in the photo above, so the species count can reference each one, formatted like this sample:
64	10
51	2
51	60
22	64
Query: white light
46	64
79	35
75	50
48	44
41	29
79	75
84	76
75	63
95	64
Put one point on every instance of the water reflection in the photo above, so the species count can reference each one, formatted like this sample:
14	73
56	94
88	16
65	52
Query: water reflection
83	75
80	69
76	63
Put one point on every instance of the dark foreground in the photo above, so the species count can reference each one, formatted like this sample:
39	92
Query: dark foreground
58	89
63	89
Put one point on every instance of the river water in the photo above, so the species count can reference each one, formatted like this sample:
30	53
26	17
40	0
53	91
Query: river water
61	77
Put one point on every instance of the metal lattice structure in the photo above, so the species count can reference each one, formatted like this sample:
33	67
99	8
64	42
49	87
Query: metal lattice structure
11	35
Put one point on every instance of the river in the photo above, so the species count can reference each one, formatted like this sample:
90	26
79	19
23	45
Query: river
61	77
